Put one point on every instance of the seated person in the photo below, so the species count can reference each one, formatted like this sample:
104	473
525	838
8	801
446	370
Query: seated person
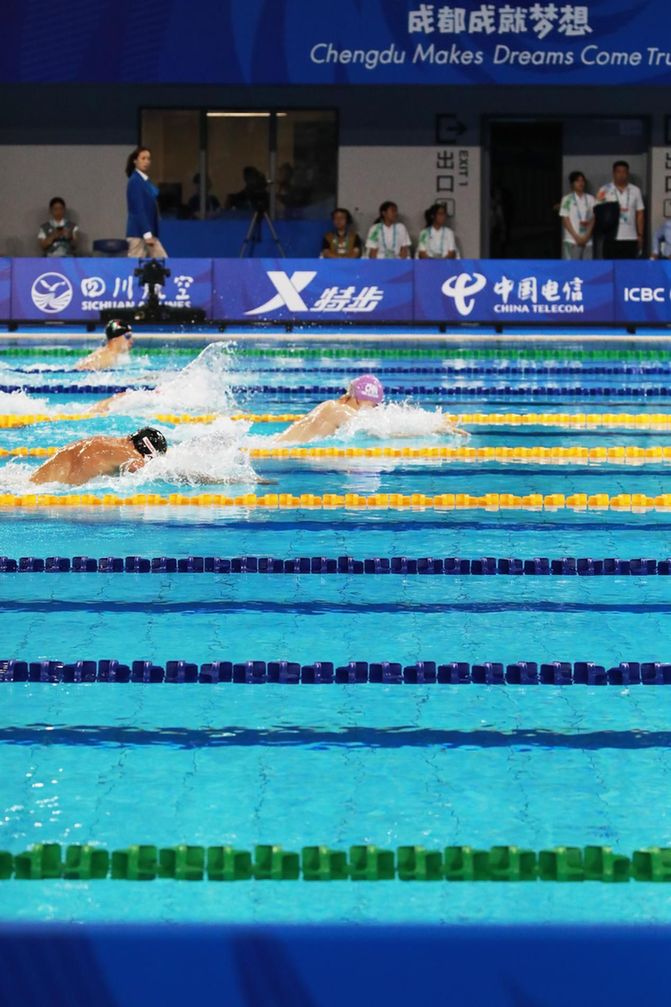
58	235
342	242
77	463
212	204
119	341
387	238
254	195
436	241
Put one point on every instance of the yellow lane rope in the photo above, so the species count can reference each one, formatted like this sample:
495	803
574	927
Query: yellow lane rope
632	502
537	455
576	421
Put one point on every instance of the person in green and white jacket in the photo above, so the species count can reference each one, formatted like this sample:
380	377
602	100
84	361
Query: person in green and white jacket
388	238
436	241
577	217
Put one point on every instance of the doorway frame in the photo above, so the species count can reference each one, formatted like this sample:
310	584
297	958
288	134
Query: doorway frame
486	121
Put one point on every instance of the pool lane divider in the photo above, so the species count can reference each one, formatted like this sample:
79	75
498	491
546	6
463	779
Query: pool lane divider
488	673
578	421
536	455
435	391
469	370
268	862
416	351
634	503
451	566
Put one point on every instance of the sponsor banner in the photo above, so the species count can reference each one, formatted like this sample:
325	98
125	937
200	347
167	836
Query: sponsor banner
643	291
73	289
313	290
514	290
593	42
5	287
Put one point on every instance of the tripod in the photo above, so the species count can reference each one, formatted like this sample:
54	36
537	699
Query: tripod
253	236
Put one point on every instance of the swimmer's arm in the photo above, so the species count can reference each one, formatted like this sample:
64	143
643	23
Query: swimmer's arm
449	427
98	408
322	421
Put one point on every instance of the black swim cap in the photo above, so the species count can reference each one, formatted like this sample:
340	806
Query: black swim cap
117	328
157	443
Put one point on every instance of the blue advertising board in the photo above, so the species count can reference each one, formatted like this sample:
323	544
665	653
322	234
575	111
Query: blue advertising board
643	292
593	42
5	287
78	289
489	291
313	290
513	291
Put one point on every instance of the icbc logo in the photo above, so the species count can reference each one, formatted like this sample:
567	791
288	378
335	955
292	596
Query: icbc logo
645	295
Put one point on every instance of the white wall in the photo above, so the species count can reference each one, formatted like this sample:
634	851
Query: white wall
410	177
90	179
660	188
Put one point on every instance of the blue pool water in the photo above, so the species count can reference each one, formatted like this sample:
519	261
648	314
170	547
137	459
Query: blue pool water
338	765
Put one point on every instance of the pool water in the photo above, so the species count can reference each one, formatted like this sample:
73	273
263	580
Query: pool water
337	765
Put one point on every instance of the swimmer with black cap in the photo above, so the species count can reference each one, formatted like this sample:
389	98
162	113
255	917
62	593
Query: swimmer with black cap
116	350
81	461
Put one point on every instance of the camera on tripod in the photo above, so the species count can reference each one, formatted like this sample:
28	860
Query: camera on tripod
152	274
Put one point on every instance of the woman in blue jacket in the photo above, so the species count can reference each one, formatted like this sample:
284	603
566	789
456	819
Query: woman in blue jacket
143	220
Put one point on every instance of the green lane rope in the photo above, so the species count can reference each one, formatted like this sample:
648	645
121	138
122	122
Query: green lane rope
144	862
373	352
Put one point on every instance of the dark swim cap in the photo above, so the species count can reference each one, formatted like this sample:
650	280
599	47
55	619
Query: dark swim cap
117	328
149	441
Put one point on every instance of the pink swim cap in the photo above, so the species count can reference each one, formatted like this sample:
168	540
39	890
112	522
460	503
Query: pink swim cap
367	388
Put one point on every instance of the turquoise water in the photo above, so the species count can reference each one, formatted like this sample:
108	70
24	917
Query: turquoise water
437	765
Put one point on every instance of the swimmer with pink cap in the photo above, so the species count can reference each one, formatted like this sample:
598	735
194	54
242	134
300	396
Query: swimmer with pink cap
364	392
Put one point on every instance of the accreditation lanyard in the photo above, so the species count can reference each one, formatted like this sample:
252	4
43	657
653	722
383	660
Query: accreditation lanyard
624	207
582	212
389	251
442	231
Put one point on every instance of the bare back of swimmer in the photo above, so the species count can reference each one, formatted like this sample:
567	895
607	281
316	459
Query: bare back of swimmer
119	341
78	463
327	418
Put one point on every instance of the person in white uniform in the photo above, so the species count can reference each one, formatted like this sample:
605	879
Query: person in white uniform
628	241
388	238
436	241
577	217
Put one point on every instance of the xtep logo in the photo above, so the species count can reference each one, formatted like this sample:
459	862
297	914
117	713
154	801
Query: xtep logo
288	291
462	288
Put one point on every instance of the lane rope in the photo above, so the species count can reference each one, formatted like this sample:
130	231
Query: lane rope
577	421
416	351
490	673
635	503
381	565
366	862
537	454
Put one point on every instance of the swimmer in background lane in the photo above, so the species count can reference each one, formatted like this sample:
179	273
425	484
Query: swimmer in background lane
327	418
116	350
77	463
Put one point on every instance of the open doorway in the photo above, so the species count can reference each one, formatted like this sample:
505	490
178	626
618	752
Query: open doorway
525	165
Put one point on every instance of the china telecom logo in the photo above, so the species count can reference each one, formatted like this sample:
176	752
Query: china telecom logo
462	288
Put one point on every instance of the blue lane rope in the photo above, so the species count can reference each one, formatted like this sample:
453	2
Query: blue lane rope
540	566
74	389
443	391
559	673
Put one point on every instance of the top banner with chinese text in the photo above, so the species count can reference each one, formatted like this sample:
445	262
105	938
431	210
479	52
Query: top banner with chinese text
302	42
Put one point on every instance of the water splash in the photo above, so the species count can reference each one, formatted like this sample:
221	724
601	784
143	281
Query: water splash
394	420
204	385
213	457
